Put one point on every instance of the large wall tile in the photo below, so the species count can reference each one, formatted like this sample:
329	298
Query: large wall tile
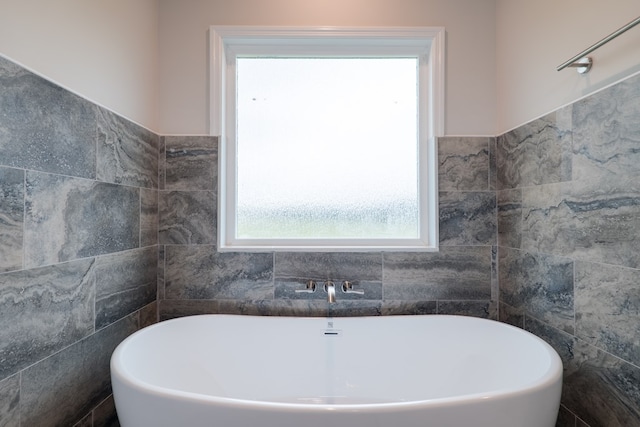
191	163
148	217
125	282
603	390
10	402
393	308
324	265
43	126
606	132
187	217
173	308
105	414
463	163
536	153
161	162
586	220
454	273
43	310
483	309
11	218
198	272
68	218
540	284
608	307
467	218
510	218
61	389
127	153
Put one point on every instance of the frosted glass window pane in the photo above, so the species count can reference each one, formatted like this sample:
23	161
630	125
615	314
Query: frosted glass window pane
327	148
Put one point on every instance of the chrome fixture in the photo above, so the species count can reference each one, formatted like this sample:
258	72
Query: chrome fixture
347	288
330	288
311	288
582	62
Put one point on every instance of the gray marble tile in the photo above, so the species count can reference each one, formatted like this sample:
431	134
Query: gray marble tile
43	310
170	309
536	153
87	421
10	402
187	217
61	389
127	153
510	218
174	308
588	221
68	218
11	218
191	163
105	414
454	273
482	309
149	314
607	306
199	272
606	132
565	418
43	126
493	170
343	308
161	271
161	162
125	282
495	279
281	307
463	163
603	390
320	266
511	315
467	218
580	423
392	308
148	217
540	284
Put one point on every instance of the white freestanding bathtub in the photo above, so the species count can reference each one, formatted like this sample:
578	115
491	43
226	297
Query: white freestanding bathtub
398	371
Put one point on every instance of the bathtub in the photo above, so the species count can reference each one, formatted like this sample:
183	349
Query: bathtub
399	371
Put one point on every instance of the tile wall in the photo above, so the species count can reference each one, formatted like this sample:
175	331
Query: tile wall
460	279
569	248
94	208
78	249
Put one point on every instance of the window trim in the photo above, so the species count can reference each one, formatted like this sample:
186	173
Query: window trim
427	42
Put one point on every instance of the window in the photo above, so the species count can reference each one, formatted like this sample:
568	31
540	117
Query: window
327	137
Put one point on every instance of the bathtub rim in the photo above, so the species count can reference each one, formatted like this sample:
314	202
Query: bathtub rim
551	375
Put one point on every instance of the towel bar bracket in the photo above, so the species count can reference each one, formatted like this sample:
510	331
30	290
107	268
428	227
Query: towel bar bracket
582	65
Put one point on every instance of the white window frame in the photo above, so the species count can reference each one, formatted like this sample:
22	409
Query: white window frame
427	43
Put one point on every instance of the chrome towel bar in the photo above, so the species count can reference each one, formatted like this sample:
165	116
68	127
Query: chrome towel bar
584	63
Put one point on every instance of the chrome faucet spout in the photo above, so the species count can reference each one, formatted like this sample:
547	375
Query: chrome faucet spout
331	291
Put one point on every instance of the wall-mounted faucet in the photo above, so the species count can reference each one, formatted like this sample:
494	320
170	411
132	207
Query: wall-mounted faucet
330	287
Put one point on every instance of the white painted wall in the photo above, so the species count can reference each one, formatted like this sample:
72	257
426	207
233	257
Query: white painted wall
147	59
103	50
534	37
470	67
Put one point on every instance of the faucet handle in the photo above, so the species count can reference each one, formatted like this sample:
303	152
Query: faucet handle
347	288
311	288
